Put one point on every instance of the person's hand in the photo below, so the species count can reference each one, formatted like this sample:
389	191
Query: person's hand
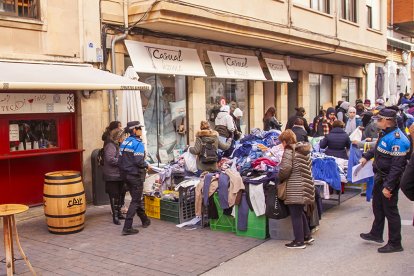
363	161
368	139
149	168
386	193
355	142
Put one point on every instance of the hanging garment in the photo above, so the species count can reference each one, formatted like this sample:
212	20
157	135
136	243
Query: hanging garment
327	170
379	83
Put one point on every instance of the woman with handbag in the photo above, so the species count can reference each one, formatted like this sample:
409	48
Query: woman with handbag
296	174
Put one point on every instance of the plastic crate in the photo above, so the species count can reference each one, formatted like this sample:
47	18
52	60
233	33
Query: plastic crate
224	223
181	211
152	206
257	227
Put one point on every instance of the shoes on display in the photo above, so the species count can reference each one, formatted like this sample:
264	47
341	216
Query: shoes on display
309	240
296	245
370	237
388	248
130	231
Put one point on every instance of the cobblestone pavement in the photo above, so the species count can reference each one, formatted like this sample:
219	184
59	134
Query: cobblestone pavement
161	249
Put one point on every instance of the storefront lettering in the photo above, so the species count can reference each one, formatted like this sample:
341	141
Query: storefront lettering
235	61
165	54
12	107
6	85
275	66
75	201
171	67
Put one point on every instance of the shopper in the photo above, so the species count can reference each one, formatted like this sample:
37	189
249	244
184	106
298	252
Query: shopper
132	168
300	113
206	147
353	121
389	163
367	105
342	112
299	130
336	142
112	125
224	124
295	171
270	121
237	114
320	124
113	181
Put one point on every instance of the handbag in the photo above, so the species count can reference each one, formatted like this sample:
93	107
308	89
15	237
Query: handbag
281	191
275	208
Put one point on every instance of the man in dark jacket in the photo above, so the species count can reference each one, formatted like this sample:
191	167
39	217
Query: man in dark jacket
336	142
407	180
300	113
299	130
389	162
132	167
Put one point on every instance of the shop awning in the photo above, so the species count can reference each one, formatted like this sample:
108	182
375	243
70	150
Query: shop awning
161	59
278	70
40	76
232	66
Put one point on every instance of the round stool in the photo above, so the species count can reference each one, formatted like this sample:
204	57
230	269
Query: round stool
7	212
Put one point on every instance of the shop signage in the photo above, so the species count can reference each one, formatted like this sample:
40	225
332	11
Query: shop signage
162	59
14	133
232	66
16	103
278	70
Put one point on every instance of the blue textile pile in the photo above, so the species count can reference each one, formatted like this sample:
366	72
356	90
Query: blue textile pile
327	170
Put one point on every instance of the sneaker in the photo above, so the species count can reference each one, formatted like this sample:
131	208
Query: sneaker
146	223
294	245
315	229
130	231
370	237
309	240
388	248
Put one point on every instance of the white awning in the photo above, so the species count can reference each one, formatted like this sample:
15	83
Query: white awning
278	70
231	66
40	76
161	59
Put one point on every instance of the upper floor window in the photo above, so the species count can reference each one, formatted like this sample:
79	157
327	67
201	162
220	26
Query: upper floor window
320	5
373	14
349	10
21	8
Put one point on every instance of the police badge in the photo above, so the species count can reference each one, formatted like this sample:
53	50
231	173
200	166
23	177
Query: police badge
395	148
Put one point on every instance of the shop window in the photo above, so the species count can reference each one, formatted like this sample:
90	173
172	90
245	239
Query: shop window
320	93
227	92
373	14
165	116
349	90
21	8
319	5
349	10
32	134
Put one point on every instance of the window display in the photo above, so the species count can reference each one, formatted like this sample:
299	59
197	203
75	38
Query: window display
165	116
32	134
227	92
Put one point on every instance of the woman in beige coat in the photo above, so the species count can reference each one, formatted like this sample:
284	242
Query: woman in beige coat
296	171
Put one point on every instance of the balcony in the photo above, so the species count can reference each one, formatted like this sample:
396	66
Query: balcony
404	16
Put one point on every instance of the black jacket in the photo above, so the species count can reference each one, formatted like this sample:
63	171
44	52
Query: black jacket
292	120
301	135
271	123
407	180
336	143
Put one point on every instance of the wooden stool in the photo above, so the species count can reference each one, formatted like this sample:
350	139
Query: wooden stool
7	212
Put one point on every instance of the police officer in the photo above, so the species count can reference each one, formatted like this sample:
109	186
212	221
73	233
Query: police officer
389	162
132	167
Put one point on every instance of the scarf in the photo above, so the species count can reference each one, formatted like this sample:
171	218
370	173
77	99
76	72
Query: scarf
350	125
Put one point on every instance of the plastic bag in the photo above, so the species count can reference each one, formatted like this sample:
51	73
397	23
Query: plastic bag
190	161
356	135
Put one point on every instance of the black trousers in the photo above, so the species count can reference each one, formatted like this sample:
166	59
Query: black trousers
135	186
299	222
114	188
386	208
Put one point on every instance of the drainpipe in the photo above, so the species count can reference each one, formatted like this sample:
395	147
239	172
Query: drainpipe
112	96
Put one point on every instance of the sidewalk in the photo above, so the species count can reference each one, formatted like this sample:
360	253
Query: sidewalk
161	249
338	249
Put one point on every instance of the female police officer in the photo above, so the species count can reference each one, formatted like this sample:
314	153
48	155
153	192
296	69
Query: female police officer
389	162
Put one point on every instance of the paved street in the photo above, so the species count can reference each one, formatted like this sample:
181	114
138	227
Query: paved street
164	249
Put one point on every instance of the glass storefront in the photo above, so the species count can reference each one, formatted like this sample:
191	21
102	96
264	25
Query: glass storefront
165	116
227	92
320	93
349	89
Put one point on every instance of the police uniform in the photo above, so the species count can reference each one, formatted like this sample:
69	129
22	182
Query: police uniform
390	159
132	168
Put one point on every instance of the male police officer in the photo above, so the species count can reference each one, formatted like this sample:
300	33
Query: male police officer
132	167
389	162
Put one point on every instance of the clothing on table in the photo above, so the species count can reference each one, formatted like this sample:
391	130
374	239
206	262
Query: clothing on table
199	193
223	190
257	199
243	213
236	185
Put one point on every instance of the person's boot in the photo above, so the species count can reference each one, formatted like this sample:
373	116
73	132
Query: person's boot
115	212
129	231
120	215
145	220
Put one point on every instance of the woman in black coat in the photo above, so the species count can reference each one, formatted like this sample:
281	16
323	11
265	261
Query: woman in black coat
336	142
299	130
300	113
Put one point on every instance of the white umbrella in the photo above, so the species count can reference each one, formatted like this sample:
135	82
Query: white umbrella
132	105
393	83
403	79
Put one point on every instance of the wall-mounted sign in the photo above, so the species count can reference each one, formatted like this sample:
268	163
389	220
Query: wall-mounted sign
163	59
232	66
278	70
14	132
16	103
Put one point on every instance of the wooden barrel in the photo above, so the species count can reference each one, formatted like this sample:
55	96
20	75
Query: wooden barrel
64	202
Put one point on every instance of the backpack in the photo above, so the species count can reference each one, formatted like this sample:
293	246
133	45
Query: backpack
208	154
101	157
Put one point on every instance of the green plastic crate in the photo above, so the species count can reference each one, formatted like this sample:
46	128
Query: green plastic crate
224	223
179	212
257	227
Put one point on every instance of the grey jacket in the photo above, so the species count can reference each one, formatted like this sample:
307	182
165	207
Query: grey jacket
296	171
204	136
110	168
